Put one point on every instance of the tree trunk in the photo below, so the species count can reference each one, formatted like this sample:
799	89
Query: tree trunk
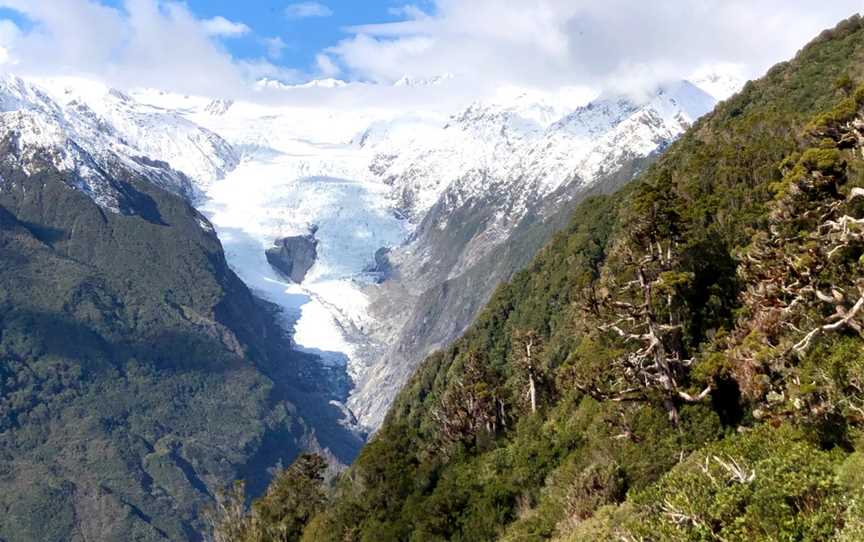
672	410
532	392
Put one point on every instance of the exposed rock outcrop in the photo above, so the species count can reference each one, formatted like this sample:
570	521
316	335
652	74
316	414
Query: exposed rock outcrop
382	267
294	256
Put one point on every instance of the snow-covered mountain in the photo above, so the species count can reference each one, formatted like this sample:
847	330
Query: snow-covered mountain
527	147
488	174
91	130
401	202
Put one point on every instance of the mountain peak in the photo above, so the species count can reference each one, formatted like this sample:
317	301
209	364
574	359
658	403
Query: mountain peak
273	84
436	80
721	82
690	98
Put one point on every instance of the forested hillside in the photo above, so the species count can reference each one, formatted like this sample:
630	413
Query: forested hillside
684	362
138	374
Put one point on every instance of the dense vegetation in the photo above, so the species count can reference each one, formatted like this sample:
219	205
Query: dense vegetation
683	362
294	496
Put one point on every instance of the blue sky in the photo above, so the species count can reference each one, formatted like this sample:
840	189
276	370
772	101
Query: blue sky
303	36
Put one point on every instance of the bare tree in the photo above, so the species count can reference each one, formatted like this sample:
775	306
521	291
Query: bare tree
527	347
228	520
788	273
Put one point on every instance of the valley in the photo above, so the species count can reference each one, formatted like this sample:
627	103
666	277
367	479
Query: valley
388	183
329	271
415	215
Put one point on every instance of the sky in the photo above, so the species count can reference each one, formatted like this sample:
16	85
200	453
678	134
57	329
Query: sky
221	47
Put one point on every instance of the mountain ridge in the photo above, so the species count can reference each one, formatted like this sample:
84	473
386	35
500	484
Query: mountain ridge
139	375
489	206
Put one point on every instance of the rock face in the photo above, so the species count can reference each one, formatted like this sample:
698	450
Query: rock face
294	256
381	269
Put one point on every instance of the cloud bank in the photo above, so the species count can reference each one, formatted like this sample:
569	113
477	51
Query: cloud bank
486	44
146	43
609	43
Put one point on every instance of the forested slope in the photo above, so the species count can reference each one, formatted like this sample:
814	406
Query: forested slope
684	362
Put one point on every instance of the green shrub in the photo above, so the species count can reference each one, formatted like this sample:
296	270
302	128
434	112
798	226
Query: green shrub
766	484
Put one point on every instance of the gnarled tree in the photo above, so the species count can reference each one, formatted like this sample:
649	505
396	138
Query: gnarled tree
644	314
803	276
295	495
228	520
654	361
471	405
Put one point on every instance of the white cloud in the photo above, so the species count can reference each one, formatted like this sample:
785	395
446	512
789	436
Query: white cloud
609	43
62	37
326	66
486	44
9	32
220	26
302	10
253	70
9	35
274	47
158	43
409	10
